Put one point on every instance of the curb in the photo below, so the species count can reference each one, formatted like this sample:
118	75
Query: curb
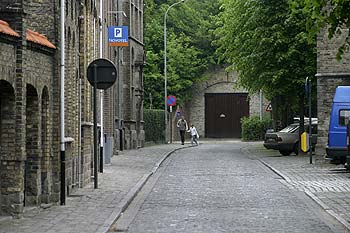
325	207
129	197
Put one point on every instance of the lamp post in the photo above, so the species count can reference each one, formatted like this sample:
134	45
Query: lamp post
165	71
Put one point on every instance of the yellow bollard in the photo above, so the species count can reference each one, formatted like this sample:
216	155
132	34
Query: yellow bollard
305	145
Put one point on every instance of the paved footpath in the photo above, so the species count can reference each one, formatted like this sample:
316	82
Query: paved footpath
94	210
325	183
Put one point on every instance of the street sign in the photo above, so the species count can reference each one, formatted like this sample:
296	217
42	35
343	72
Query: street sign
118	36
269	108
106	73
171	100
101	74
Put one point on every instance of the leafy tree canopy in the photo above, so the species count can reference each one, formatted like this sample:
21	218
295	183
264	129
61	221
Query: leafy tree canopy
334	14
189	49
267	44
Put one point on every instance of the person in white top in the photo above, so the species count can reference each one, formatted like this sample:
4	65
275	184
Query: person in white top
194	135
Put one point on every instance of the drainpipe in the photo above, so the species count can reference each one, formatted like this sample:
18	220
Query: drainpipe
62	141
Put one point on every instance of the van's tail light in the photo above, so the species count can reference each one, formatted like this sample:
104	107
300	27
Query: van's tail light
279	139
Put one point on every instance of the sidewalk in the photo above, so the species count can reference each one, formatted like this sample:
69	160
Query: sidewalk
94	210
325	183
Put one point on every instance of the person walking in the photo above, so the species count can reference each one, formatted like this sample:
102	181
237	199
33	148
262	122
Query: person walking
183	127
194	135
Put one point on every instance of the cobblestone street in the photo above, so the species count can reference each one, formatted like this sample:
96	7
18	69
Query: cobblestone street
90	210
223	187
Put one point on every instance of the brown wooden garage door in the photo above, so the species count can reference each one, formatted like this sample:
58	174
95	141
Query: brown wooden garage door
223	113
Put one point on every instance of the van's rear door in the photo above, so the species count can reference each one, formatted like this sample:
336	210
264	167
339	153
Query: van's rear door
337	128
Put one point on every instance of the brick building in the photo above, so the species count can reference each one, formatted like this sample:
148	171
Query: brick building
124	101
330	74
218	105
30	95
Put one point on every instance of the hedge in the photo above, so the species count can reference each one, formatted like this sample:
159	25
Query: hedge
154	125
253	129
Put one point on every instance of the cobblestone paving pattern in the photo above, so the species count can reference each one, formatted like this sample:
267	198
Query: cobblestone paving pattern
89	208
329	183
217	188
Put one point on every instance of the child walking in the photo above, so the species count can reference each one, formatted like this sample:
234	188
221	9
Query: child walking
194	135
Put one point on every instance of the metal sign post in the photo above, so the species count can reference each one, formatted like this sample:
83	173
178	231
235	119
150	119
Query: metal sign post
171	101
101	74
95	127
308	92
171	124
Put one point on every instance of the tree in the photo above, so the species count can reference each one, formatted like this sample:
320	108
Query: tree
189	49
333	14
266	43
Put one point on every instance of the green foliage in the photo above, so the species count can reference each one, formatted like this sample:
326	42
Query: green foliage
334	14
267	43
254	129
189	49
154	125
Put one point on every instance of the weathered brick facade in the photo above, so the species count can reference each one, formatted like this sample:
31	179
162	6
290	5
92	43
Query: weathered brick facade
124	101
30	95
219	81
27	86
330	74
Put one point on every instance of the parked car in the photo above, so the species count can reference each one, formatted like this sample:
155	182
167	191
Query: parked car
286	140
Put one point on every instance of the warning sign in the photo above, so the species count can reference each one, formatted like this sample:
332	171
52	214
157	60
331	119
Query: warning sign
269	108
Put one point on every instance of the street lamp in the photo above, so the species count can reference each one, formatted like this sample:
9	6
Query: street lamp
165	77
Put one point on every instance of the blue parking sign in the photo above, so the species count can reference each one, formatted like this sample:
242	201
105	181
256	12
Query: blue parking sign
118	36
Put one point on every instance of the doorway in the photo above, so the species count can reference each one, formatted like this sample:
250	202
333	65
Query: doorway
223	113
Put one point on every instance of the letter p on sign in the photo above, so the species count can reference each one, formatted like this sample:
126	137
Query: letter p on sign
118	32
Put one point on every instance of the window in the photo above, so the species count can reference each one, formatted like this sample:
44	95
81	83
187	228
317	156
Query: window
344	117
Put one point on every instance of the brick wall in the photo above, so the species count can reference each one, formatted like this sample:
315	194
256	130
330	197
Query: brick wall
330	74
30	99
219	81
132	75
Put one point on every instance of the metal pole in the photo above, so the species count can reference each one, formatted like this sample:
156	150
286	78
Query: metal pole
95	128
62	141
171	124
102	133
165	79
261	104
165	72
101	96
80	167
310	121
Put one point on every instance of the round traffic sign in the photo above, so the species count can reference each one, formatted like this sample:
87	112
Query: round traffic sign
106	73
171	100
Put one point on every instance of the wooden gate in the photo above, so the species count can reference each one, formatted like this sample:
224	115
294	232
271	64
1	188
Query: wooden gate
223	113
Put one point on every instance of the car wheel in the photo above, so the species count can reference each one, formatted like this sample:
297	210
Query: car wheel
285	152
296	148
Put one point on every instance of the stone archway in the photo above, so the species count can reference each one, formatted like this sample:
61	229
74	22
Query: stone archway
32	177
46	161
7	144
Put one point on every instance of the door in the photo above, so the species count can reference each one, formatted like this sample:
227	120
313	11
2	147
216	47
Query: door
223	113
